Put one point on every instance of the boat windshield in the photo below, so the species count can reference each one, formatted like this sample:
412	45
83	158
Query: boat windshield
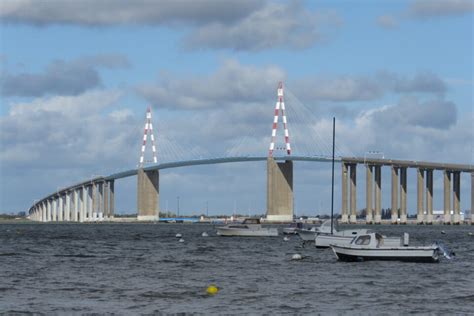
363	240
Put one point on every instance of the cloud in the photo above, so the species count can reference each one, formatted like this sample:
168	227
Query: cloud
414	129
61	77
66	132
117	12
411	112
231	83
288	26
251	25
427	9
426	82
349	88
439	8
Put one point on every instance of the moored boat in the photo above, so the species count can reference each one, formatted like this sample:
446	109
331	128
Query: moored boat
250	227
307	234
292	228
323	237
374	246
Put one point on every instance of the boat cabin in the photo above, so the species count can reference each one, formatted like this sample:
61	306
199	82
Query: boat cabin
251	221
376	240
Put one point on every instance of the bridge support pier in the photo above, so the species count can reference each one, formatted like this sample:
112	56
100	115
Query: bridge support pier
344	210
394	210
353	174
368	195
420	192
456	197
67	210
378	195
429	196
148	195
83	199
403	195
75	208
279	191
472	198
112	197
447	197
106	199
93	214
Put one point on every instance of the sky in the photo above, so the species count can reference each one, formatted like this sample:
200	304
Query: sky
76	78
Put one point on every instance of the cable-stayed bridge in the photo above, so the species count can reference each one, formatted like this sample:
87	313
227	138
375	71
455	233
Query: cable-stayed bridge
94	199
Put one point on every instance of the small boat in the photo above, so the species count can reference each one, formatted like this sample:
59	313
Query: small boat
307	234
323	237
292	229
250	227
374	246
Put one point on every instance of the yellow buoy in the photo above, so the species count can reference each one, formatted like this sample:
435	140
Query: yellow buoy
212	289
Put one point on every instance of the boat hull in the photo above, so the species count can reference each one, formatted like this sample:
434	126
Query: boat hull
407	254
325	241
264	232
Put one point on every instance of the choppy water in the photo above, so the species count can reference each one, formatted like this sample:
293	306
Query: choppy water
142	268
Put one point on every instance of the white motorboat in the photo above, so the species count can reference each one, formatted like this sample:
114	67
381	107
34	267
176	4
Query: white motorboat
345	237
250	227
374	246
323	237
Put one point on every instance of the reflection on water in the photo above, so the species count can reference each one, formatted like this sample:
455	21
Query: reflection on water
142	268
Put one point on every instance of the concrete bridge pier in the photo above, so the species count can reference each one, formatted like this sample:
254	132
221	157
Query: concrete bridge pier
394	210
43	211
344	210
456	197
67	214
279	190
378	195
55	210
429	196
472	198
403	195
447	197
48	210
100	201
368	195
148	195
93	214
420	216
75	212
83	204
111	197
60	208
353	204
106	199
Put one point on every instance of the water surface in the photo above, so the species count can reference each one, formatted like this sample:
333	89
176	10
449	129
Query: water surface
142	268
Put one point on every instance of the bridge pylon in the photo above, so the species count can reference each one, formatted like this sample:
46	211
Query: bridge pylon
148	129
279	175
148	182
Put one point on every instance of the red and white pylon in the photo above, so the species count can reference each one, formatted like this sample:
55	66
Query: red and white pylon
280	105
148	128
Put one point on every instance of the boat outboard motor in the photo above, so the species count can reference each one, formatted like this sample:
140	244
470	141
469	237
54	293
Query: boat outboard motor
446	252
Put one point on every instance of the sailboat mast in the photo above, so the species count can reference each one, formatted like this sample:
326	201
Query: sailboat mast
332	178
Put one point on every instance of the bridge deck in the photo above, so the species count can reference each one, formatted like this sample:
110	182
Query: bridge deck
210	161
